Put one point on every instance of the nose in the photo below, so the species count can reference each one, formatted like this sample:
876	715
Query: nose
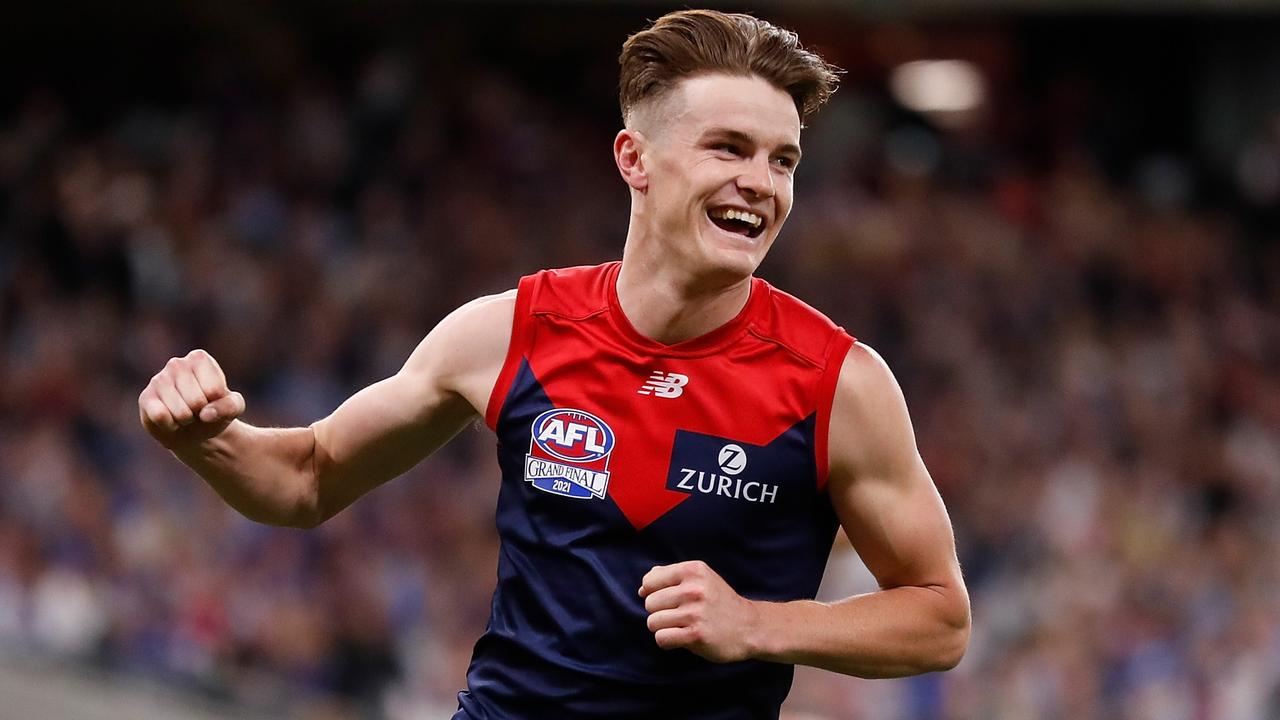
756	178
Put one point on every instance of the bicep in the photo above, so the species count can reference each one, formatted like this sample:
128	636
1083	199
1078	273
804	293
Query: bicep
879	486
386	428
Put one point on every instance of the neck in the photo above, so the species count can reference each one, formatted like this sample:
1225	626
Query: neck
669	305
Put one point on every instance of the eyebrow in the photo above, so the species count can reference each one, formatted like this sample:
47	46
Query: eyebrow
741	137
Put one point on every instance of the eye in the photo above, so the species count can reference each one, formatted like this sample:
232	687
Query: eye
729	148
785	161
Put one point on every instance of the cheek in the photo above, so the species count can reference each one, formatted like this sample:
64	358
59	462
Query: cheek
784	197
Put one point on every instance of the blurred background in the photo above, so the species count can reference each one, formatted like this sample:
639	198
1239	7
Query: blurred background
1058	221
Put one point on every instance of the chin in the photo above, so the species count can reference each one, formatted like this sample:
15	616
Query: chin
733	262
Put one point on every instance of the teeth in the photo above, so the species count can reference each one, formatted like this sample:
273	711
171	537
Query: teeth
742	215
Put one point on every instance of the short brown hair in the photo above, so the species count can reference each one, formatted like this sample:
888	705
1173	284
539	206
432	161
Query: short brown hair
692	42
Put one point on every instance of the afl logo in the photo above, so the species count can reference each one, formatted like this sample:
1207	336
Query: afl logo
569	454
572	435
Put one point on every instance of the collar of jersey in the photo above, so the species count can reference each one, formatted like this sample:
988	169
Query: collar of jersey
705	344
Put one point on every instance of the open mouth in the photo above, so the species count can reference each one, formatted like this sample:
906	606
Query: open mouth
739	222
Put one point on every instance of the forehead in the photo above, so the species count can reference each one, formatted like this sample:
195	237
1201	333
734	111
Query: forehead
748	104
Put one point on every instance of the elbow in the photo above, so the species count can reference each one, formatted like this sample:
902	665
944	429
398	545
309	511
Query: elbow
943	654
951	650
306	511
953	639
305	519
298	503
304	516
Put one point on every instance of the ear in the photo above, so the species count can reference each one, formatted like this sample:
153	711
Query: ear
628	153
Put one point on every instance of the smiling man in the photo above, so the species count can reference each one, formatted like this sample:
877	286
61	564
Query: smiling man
679	441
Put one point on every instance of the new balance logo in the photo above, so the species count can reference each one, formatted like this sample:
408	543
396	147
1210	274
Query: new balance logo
667	385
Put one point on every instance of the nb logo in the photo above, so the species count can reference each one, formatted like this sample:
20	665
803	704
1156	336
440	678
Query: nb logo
667	385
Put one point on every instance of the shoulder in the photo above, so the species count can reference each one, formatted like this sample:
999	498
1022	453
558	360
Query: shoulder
864	374
468	346
485	317
795	324
869	413
480	331
486	307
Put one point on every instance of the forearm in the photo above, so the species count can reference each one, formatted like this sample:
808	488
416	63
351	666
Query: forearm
266	474
891	633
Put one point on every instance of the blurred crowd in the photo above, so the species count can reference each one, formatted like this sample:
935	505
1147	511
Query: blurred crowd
1092	365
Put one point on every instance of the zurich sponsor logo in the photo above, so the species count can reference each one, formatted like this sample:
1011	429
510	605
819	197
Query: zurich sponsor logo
569	453
692	471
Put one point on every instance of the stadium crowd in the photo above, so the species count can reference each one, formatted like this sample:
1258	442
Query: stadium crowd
1092	364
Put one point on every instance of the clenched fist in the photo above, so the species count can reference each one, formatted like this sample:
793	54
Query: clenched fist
692	607
188	401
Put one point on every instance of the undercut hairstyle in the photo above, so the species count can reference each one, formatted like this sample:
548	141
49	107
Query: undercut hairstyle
694	42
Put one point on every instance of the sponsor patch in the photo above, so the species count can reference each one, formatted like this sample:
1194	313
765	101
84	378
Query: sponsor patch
569	454
708	465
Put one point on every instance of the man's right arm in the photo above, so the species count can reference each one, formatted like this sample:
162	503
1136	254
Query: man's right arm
302	476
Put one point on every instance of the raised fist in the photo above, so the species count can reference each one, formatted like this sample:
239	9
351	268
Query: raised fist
188	401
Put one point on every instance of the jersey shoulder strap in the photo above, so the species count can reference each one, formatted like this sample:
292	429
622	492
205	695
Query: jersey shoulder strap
574	293
809	334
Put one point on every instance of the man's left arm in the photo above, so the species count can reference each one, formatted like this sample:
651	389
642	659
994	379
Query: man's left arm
919	619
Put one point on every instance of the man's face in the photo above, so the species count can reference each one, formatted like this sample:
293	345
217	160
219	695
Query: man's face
719	157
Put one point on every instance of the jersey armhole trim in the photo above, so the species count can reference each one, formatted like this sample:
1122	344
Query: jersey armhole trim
837	349
521	334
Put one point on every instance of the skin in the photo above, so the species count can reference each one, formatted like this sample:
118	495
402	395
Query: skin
713	141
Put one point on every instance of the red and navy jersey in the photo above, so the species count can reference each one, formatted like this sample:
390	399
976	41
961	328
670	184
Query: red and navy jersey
619	453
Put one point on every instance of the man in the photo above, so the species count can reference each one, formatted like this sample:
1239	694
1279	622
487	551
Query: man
678	440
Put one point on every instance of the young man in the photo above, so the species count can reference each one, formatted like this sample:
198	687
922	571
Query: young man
678	440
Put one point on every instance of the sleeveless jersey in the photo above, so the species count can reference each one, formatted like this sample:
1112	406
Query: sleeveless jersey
619	453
